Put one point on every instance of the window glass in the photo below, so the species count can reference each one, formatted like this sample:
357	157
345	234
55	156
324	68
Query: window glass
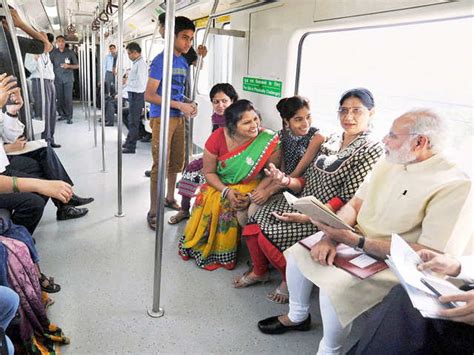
405	66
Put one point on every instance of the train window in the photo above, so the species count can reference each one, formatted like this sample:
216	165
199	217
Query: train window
425	64
158	46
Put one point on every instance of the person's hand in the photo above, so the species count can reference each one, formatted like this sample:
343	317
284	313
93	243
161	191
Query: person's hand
237	200
337	235
65	66
48	47
260	196
57	189
202	51
278	177
6	88
15	97
19	144
324	252
292	217
440	263
188	109
463	314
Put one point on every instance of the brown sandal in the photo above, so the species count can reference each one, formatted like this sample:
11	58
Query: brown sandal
178	217
172	204
245	280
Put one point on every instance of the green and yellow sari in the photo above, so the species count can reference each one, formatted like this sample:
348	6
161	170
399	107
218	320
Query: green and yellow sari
212	232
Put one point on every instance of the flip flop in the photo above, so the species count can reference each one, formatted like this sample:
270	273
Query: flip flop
47	284
246	281
151	221
178	217
278	296
172	204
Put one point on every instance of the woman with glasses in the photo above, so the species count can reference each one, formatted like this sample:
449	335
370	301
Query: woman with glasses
338	169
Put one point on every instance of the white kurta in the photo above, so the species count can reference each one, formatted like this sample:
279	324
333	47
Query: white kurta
428	202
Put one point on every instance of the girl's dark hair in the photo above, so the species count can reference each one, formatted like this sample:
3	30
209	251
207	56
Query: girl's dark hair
233	114
288	106
362	94
227	89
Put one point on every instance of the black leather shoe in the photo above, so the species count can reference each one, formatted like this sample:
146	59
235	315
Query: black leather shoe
70	212
146	139
54	145
273	326
69	121
128	151
124	145
147	173
79	201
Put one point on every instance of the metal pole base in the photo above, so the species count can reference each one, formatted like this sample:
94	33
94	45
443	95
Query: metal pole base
103	171
120	214
159	314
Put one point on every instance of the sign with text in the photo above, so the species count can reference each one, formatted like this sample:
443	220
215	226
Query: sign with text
262	86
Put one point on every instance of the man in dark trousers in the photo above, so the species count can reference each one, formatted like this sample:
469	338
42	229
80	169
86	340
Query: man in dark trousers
65	62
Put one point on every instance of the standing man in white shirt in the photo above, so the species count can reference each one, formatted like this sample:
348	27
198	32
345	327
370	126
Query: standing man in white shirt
41	65
110	64
137	79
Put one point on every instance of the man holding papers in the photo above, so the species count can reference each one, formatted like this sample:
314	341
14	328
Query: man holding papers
415	192
396	327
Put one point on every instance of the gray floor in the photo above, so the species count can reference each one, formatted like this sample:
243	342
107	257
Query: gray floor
105	267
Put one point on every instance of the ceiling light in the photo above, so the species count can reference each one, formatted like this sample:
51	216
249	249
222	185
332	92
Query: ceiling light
56	26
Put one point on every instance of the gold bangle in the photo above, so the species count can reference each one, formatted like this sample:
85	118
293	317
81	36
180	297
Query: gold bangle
15	184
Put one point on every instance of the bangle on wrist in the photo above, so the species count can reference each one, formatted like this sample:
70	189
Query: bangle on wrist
288	181
15	184
225	192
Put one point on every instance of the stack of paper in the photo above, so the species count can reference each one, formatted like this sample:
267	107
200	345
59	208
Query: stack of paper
403	261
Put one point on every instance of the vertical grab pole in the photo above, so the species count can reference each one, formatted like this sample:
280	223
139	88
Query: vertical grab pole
43	102
94	87
102	93
79	55
21	69
88	76
149	54
83	78
156	310
119	108
189	137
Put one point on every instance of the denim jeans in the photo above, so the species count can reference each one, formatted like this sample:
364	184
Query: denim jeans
9	301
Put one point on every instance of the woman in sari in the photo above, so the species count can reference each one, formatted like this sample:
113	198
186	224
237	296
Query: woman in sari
234	156
339	167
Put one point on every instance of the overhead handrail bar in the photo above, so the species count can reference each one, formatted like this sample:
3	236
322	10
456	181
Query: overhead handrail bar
242	8
156	310
119	108
189	152
21	69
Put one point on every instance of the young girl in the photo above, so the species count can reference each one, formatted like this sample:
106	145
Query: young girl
299	144
222	96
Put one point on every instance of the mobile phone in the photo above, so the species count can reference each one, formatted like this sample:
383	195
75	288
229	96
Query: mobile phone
10	100
437	293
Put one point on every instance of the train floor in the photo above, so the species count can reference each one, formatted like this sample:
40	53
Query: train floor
105	264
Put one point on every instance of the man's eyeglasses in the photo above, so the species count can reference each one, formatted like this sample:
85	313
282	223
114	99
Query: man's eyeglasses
356	111
393	135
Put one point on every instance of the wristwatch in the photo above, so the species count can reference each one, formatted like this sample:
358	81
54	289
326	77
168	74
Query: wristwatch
360	246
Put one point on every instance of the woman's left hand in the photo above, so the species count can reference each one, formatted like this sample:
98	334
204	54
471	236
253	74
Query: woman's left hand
260	196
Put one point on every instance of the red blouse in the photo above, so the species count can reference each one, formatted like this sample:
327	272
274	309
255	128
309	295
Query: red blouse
216	143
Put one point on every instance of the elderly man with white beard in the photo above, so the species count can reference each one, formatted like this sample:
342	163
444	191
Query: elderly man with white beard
415	192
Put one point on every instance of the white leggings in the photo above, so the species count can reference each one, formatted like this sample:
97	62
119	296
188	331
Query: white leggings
300	288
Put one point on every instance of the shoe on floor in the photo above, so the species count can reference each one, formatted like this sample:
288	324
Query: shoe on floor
79	201
273	326
69	121
70	212
109	124
128	151
147	173
54	145
146	139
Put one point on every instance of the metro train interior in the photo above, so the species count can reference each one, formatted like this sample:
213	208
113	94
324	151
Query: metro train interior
124	288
